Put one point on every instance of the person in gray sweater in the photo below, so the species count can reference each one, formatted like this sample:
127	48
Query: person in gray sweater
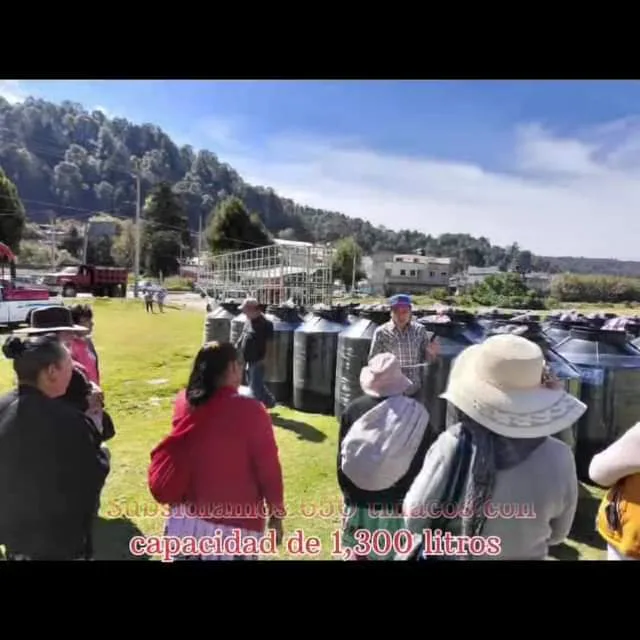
496	485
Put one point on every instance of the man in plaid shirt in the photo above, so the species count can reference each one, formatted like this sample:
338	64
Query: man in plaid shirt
406	340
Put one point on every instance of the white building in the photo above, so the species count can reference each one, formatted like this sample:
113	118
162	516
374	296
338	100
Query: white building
409	273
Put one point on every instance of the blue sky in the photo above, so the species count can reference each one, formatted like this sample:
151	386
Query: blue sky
554	166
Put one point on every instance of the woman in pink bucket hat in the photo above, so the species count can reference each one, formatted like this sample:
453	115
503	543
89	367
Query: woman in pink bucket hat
383	438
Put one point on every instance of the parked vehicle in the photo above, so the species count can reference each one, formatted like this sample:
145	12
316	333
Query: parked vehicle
110	282
18	296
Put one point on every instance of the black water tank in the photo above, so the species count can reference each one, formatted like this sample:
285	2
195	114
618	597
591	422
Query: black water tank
490	319
278	374
218	322
562	369
470	321
633	328
353	314
596	320
558	330
610	369
453	338
315	346
350	309
354	344
421	312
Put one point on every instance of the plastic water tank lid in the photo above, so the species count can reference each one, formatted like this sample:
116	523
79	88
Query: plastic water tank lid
230	305
444	329
594	334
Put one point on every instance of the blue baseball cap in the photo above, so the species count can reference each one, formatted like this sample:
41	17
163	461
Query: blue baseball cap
400	300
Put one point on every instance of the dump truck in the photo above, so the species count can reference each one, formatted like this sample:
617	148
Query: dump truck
109	282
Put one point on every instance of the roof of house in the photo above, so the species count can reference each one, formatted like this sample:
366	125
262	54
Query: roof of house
270	272
482	271
414	257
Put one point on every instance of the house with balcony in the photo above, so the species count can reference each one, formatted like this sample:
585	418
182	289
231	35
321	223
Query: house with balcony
408	273
462	282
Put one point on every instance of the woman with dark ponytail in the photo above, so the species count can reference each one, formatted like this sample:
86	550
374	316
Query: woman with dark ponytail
51	466
220	461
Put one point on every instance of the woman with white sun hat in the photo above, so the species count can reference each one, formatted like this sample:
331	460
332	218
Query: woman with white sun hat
498	474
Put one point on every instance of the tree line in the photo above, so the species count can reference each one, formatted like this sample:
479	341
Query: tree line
166	238
509	290
596	289
75	162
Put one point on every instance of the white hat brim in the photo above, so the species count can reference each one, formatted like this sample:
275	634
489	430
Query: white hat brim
76	328
530	413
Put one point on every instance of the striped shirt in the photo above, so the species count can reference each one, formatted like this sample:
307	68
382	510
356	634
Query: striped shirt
409	345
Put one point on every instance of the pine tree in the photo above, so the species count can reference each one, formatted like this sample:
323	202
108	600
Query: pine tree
232	228
165	231
12	214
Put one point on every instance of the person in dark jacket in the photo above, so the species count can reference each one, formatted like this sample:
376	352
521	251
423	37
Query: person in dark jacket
51	466
257	333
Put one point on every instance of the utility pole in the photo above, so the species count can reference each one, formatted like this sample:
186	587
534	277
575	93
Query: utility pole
136	262
85	248
52	241
353	273
200	240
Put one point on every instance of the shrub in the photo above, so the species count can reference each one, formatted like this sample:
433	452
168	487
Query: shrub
176	283
571	287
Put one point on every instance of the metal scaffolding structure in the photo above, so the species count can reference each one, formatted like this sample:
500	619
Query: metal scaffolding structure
273	274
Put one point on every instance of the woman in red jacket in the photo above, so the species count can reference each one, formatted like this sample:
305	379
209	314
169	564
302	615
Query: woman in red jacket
219	468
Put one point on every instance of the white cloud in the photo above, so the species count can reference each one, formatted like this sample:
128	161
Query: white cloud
564	196
104	110
11	91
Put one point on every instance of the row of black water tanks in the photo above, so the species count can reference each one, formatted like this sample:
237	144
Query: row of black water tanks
315	359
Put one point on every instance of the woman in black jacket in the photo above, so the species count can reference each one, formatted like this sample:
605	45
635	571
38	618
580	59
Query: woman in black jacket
51	466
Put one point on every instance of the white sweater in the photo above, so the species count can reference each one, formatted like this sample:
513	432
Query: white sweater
618	460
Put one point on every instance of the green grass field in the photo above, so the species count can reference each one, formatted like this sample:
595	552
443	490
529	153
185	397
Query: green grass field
145	360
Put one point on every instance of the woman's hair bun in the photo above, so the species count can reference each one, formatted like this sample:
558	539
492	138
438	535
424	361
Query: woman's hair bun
13	347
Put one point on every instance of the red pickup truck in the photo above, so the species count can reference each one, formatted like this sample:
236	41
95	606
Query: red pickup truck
108	282
18	297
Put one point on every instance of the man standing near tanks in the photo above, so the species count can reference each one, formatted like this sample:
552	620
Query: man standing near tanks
407	340
256	334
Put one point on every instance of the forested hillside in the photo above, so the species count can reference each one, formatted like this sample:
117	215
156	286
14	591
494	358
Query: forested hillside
73	162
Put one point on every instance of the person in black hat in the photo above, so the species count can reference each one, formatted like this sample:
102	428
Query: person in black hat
55	319
83	393
52	319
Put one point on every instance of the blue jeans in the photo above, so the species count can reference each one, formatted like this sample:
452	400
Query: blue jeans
255	378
